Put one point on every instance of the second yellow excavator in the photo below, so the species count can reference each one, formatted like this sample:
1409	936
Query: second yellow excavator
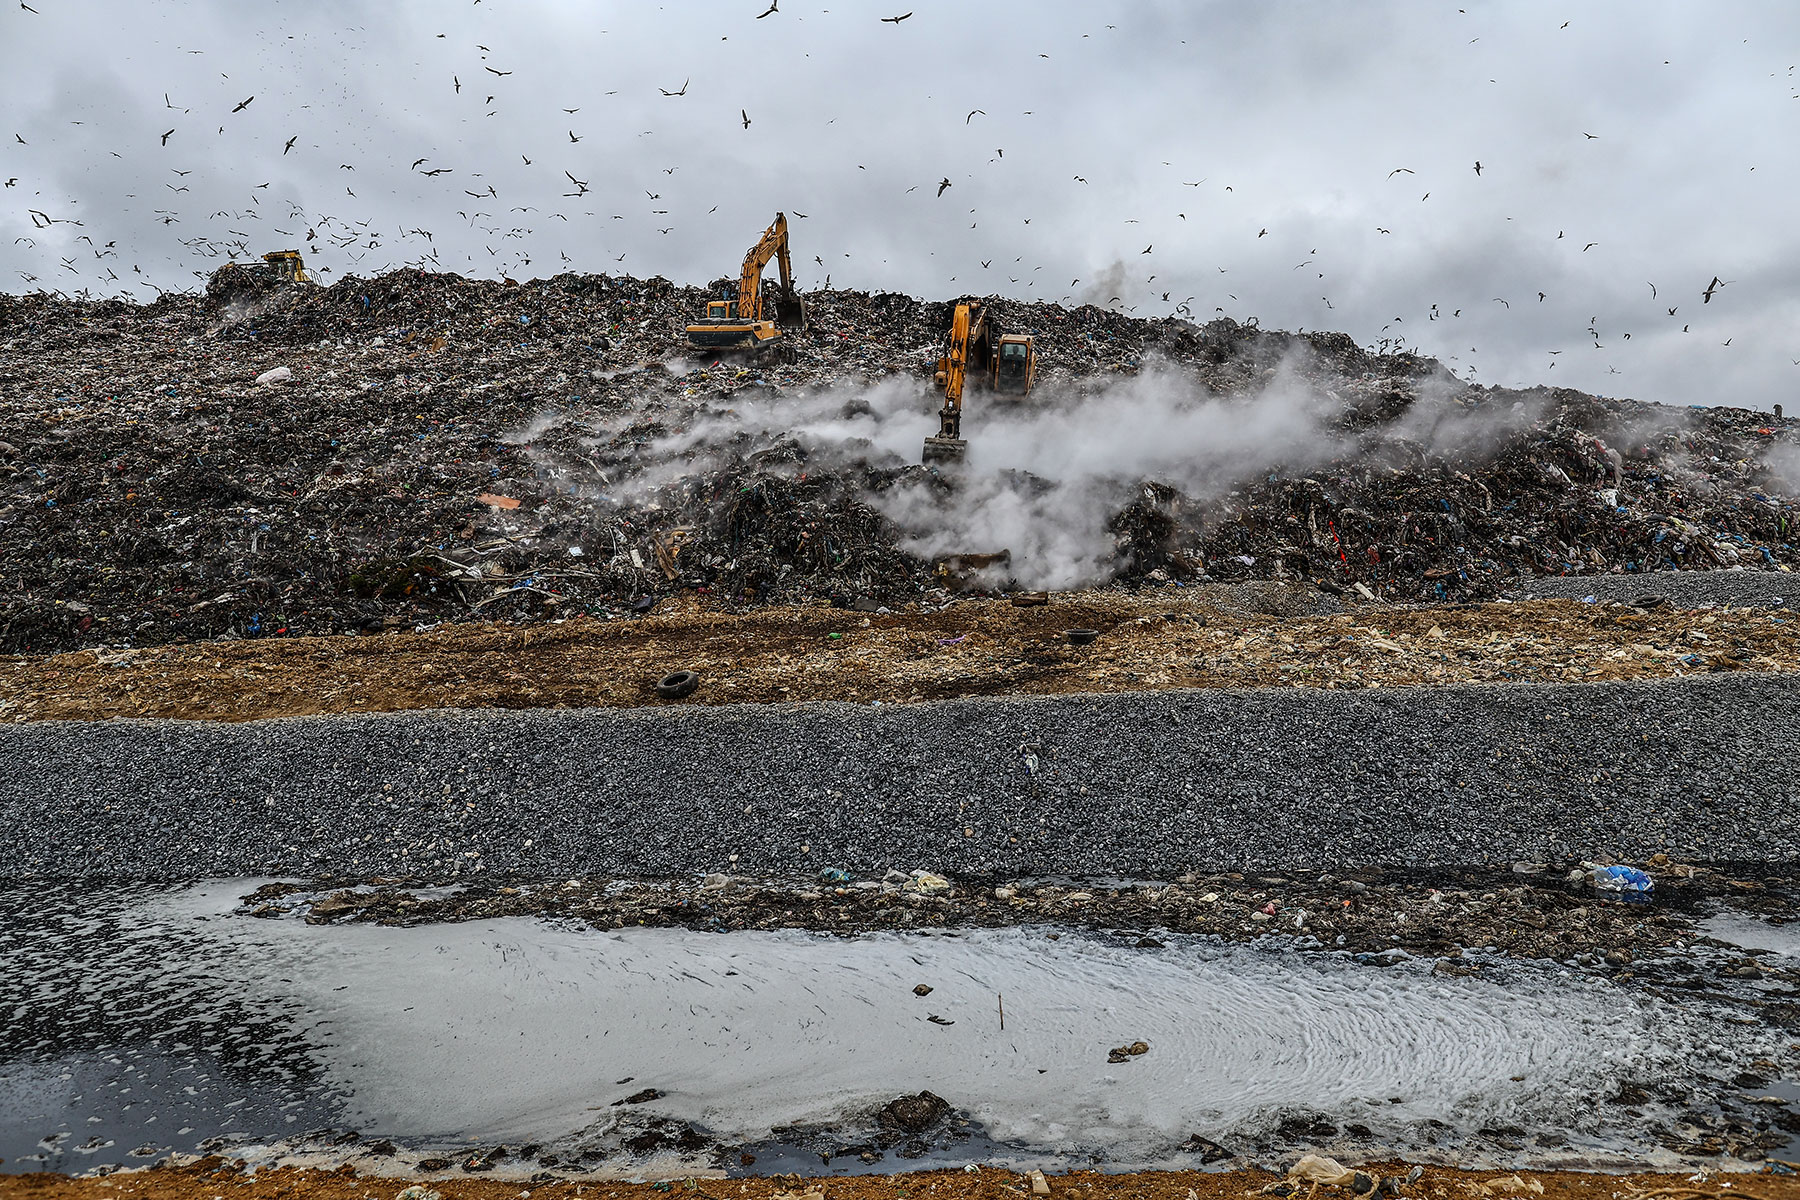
1007	363
736	321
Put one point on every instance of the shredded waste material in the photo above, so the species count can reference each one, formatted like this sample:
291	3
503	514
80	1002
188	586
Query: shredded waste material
1524	910
272	461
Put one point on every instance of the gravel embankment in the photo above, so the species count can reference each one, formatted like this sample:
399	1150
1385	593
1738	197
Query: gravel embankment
1683	589
1142	784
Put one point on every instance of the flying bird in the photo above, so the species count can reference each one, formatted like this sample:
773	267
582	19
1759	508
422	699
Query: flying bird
572	136
1400	170
942	184
772	9
458	83
1592	137
1262	233
417	163
746	116
973	113
167	136
682	92
243	104
898	19
1715	285
1147	249
1478	166
1589	246
501	74
296	137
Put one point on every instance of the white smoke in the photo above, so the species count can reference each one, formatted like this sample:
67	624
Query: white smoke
1044	475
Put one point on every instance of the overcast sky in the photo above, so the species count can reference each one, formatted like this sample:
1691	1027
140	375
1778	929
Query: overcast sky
1308	164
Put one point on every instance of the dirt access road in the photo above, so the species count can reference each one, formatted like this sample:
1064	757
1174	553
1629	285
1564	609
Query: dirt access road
210	1180
1174	638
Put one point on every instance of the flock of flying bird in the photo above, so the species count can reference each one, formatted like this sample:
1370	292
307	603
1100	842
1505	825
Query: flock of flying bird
356	239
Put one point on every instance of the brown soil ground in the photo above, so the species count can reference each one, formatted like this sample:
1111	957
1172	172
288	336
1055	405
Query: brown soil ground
208	1181
976	647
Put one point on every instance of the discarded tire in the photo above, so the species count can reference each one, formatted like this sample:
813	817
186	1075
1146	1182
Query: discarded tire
677	684
1081	637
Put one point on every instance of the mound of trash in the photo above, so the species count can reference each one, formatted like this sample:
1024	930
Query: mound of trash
446	449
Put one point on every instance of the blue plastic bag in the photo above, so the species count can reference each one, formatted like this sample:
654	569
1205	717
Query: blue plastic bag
1622	879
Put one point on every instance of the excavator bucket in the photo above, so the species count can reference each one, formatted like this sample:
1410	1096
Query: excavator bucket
945	449
790	313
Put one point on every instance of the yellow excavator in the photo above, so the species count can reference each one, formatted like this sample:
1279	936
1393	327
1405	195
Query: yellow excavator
1006	362
736	320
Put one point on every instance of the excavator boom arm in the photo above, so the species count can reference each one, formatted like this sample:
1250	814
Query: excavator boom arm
774	244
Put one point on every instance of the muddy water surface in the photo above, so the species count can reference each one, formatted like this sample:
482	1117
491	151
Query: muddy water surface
144	1021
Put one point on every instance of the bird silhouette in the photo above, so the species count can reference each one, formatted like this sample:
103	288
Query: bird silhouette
501	74
772	8
243	104
1400	170
1715	285
746	116
973	113
682	92
572	136
942	184
1478	166
898	19
167	136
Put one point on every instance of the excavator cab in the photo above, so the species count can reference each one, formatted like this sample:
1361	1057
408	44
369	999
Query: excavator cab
1015	366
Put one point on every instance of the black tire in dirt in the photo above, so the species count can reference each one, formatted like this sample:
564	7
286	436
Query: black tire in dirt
677	685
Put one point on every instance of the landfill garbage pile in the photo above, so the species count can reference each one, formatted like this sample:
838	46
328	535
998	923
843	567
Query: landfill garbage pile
428	448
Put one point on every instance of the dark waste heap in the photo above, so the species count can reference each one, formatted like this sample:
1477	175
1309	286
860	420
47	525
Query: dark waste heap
448	449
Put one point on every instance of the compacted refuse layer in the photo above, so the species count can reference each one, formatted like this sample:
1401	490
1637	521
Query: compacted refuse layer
1145	785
